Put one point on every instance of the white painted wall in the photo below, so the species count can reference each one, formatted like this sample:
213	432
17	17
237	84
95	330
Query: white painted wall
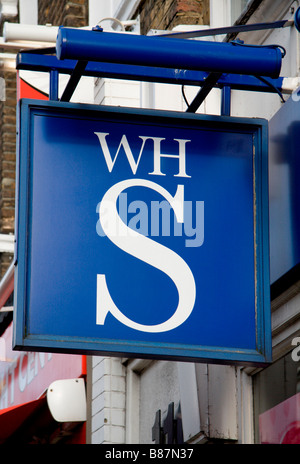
108	401
115	407
216	400
99	9
28	11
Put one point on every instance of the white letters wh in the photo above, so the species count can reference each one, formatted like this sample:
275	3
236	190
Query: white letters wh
157	155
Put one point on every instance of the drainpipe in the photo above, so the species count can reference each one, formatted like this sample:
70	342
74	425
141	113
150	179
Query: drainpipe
7	285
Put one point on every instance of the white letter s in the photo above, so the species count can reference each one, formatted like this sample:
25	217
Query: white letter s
149	251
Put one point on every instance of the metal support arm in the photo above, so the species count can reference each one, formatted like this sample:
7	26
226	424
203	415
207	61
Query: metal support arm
73	81
209	83
47	63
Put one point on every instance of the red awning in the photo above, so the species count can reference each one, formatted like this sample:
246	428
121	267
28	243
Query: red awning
12	418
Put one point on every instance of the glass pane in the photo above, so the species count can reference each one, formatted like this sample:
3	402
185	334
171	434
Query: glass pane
274	385
237	7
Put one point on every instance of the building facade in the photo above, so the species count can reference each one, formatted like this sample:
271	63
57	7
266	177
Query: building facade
209	403
138	401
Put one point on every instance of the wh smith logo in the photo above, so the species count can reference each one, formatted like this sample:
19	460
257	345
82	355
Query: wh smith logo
133	235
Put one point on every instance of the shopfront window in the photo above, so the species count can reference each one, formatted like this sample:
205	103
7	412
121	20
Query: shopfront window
276	400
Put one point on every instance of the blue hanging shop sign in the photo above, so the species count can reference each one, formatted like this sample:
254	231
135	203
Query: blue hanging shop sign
142	234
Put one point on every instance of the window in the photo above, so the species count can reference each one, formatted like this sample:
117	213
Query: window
226	12
237	7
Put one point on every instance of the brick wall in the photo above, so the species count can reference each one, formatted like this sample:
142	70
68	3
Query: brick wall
166	14
7	155
68	13
63	13
8	162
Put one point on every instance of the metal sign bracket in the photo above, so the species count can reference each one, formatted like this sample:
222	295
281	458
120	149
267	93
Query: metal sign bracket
78	54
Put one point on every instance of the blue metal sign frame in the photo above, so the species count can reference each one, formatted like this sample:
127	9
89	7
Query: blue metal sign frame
284	194
70	158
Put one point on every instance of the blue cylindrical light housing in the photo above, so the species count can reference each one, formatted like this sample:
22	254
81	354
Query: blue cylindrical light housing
166	52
